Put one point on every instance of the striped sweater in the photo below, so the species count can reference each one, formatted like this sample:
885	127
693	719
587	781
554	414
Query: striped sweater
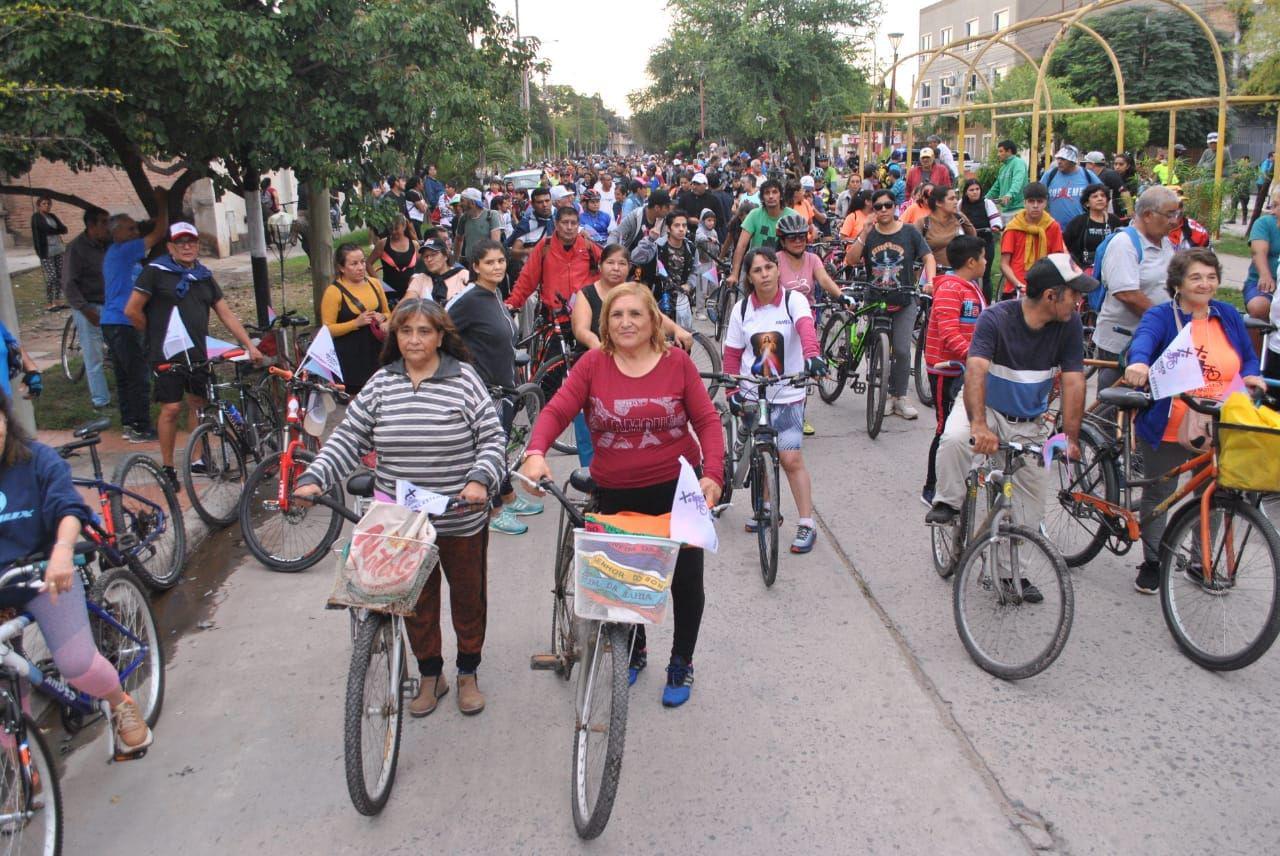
439	436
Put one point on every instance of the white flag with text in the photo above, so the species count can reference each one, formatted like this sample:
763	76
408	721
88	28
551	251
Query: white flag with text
691	520
323	354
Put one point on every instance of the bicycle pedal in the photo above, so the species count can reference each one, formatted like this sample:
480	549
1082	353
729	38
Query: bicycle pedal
544	662
859	388
410	687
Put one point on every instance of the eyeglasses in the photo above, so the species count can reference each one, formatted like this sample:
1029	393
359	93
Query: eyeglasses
184	242
794	237
882	206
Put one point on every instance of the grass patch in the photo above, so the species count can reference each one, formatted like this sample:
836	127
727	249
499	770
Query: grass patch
1230	245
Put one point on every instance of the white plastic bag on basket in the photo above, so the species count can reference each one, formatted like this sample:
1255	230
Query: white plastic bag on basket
389	552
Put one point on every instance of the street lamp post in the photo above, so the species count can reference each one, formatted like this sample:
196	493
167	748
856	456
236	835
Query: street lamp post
895	39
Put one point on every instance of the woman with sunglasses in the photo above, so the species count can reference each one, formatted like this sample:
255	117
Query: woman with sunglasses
891	249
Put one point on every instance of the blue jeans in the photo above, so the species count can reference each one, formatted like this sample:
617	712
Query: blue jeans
582	436
91	352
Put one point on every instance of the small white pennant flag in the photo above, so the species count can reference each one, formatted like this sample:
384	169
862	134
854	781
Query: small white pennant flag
176	338
691	521
416	498
1177	370
323	353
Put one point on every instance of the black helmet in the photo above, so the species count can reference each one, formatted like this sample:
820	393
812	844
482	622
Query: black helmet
792	224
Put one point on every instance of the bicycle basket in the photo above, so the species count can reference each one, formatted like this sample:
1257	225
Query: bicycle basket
622	578
1249	457
387	561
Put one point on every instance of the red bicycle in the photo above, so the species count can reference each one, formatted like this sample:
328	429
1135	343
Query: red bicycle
281	534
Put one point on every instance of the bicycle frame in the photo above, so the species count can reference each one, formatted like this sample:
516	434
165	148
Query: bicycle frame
105	534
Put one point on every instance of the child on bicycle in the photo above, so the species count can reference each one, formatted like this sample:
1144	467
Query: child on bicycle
957	301
42	511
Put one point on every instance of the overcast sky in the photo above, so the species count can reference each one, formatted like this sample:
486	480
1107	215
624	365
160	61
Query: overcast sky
603	46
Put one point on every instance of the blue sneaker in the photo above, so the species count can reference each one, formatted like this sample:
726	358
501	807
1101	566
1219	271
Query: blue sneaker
524	507
805	537
679	683
639	659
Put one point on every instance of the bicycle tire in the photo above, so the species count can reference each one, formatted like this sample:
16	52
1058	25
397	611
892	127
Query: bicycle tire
728	427
264	425
877	382
727	302
44	829
1078	535
948	542
972	572
835	350
259	512
374	639
211	493
528	404
919	370
767	518
1224	600
119	593
603	676
706	357
159	560
549	377
564	627
71	354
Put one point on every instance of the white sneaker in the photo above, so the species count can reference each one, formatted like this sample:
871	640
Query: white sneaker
899	406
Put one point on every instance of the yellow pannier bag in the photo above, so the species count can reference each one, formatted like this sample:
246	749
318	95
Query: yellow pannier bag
1248	446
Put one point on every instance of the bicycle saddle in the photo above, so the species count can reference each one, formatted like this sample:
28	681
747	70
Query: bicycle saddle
97	426
1124	398
361	484
293	321
522	358
580	479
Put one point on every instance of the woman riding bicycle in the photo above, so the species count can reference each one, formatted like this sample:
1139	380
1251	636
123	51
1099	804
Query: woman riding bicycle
1226	354
44	514
430	417
773	329
642	398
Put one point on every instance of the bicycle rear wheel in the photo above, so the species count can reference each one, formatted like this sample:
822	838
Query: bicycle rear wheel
215	491
151	519
706	356
33	815
835	350
1005	634
286	541
374	712
766	500
726	301
528	404
728	426
564	624
127	636
264	426
877	381
600	733
1226	616
919	370
1070	524
72	356
549	377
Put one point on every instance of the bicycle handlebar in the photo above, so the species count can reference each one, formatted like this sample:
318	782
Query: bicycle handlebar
33	566
340	507
757	380
337	390
212	361
548	486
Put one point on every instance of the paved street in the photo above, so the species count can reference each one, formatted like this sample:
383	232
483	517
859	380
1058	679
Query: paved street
837	711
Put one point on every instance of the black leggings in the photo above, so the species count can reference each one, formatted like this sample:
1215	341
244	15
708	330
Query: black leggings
687	594
945	391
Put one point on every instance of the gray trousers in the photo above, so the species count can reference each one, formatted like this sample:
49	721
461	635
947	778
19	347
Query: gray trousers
955	459
1156	461
904	321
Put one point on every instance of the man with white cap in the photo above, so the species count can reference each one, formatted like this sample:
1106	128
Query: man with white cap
479	223
176	290
562	196
928	170
698	197
1207	159
1066	181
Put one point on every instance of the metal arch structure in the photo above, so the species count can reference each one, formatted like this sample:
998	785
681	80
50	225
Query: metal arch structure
1041	108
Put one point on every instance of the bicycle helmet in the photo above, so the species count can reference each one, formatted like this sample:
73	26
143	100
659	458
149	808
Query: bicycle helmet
590	195
792	224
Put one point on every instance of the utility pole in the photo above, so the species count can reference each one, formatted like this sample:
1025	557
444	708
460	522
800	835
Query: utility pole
21	407
895	39
257	231
527	147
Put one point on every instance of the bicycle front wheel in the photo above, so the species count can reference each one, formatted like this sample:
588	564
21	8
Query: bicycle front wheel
549	378
706	356
600	733
30	795
766	500
1070	523
877	381
835	350
1005	628
214	474
924	391
374	712
149	518
728	426
1223	616
72	355
286	541
528	404
264	425
564	624
727	300
124	630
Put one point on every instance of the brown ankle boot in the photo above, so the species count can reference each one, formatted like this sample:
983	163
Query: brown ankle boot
470	699
430	691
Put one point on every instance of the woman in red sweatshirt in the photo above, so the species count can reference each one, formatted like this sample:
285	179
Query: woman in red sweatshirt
644	404
957	301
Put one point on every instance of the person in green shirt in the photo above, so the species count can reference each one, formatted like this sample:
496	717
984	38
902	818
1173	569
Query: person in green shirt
760	228
1007	190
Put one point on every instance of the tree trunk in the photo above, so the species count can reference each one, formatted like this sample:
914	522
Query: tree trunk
320	239
256	228
22	409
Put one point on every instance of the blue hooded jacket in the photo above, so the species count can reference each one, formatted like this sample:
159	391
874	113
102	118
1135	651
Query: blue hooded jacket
1157	329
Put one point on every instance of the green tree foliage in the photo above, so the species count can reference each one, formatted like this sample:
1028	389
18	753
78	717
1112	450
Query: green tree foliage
1164	56
328	87
1097	131
790	61
582	123
1261	55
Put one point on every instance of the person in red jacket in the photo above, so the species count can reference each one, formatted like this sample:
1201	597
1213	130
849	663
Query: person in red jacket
928	170
557	266
957	302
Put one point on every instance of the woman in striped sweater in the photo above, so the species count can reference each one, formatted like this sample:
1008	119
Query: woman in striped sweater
433	423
